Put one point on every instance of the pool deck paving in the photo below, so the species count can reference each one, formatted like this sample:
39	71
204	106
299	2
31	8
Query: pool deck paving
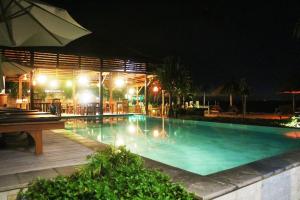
204	187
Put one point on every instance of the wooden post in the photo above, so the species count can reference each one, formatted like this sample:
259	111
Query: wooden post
38	140
146	95
31	91
162	102
31	81
2	80
20	95
111	82
137	100
74	93
100	94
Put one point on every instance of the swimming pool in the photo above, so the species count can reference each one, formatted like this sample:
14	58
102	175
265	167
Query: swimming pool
200	147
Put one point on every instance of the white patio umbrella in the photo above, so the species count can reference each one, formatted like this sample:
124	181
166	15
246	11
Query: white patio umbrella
33	23
11	69
27	23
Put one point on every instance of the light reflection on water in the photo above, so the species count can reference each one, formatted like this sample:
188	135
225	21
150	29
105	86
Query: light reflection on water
200	147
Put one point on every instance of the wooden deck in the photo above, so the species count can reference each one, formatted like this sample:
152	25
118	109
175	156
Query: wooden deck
59	151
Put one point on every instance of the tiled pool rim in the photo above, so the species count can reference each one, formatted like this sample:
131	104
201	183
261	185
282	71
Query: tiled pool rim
221	183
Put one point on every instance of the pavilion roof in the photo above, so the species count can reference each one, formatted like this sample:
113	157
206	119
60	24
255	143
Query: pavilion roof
67	61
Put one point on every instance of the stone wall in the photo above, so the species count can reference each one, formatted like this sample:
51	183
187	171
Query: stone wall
282	186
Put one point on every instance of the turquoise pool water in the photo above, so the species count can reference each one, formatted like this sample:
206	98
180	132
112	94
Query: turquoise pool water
199	147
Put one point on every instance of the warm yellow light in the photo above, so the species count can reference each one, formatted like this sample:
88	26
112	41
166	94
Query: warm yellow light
131	91
131	128
120	142
25	77
41	79
155	133
119	82
83	80
34	82
85	97
155	89
69	83
99	138
54	84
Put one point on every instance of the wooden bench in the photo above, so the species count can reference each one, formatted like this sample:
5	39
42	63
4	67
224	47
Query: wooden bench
34	129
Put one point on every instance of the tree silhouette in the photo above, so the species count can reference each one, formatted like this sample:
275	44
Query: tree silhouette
174	78
244	90
231	88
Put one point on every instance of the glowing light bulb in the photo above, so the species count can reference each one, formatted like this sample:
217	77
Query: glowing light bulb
85	97
120	82
155	133
131	91
83	80
131	128
69	83
41	79
54	84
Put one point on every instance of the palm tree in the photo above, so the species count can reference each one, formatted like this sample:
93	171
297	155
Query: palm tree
183	84
230	88
174	79
244	91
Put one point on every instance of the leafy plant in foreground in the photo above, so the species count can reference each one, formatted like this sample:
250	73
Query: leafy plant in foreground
114	173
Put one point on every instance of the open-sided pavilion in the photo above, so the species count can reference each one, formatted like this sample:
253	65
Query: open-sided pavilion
58	74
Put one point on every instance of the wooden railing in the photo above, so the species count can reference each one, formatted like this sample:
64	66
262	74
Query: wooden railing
65	61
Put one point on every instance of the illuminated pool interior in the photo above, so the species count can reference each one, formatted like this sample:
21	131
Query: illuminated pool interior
200	147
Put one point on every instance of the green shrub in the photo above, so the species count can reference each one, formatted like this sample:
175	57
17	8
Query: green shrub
111	174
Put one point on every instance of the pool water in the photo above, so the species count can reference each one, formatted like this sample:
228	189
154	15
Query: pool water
200	147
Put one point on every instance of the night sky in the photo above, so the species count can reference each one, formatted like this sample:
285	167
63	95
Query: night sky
218	39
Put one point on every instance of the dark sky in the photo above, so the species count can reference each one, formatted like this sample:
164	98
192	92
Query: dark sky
217	39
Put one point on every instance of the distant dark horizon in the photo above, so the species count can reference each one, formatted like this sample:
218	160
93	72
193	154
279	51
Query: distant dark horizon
218	40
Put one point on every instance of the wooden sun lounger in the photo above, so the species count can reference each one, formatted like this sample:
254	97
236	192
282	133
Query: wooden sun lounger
32	124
